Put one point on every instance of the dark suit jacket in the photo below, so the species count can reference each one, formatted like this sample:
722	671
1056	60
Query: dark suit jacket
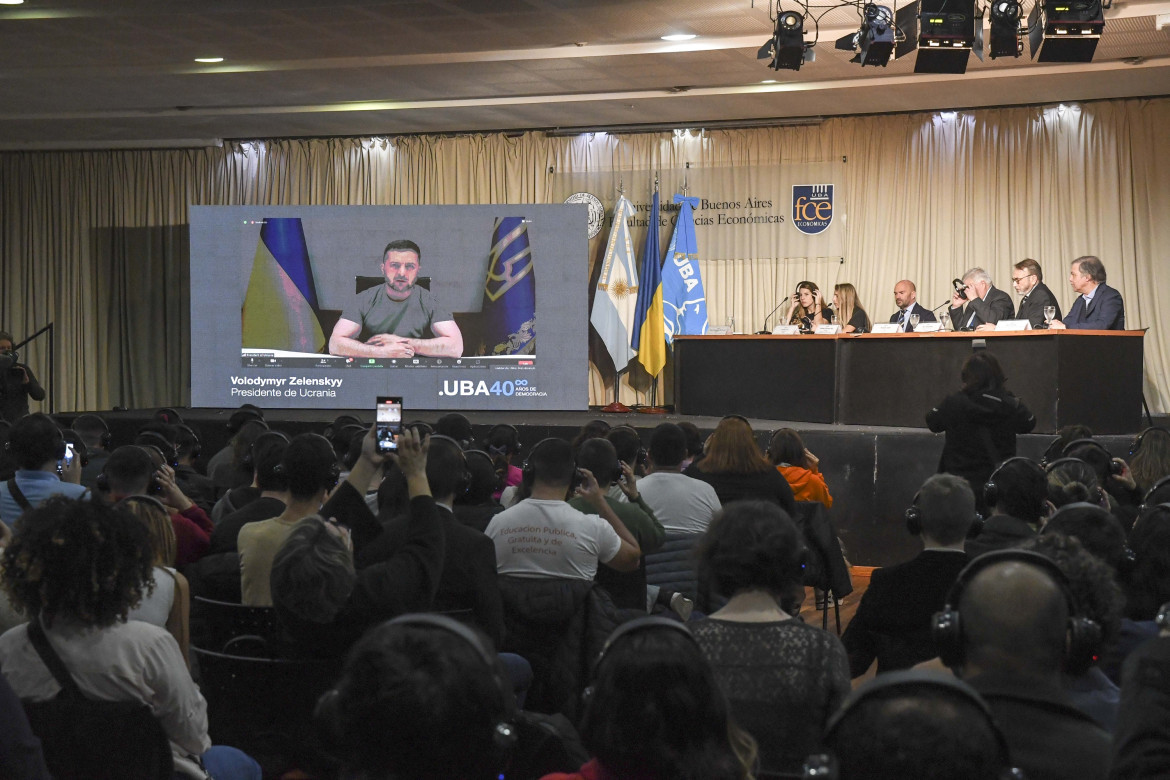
995	307
924	314
1032	305
1141	742
1106	313
892	622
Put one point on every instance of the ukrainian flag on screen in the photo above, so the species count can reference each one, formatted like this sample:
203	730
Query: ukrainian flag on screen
280	307
508	319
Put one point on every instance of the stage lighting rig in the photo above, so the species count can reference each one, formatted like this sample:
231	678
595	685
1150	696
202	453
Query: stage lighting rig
947	35
1065	30
786	48
1005	29
874	42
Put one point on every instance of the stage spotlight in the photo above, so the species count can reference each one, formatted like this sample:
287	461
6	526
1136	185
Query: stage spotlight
786	48
1005	29
1064	31
875	39
947	36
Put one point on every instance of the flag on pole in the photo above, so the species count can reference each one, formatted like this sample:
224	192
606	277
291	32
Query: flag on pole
648	338
280	305
684	304
508	318
617	289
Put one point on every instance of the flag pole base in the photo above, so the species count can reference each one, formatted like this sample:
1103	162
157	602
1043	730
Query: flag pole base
618	407
650	410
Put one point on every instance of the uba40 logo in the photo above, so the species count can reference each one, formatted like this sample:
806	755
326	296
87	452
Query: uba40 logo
812	207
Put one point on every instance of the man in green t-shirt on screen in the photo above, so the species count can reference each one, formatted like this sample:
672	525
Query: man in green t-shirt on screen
398	318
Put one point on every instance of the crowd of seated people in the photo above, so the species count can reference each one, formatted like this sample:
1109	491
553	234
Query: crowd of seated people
484	608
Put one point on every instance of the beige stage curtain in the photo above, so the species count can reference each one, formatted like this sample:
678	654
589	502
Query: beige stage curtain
96	242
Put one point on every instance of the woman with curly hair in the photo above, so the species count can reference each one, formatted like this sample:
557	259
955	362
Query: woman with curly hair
656	711
737	469
784	678
79	567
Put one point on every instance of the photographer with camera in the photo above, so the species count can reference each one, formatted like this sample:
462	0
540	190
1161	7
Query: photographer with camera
17	383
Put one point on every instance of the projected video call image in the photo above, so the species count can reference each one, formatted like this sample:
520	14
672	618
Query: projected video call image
426	302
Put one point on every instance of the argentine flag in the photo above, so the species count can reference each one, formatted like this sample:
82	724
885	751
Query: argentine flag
617	290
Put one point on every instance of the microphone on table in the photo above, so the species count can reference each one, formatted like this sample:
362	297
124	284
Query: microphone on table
765	331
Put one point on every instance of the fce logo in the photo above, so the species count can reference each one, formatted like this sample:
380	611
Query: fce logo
812	207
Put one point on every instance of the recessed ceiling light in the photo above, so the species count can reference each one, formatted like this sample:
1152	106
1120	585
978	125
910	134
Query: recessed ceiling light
768	81
11	2
200	59
679	37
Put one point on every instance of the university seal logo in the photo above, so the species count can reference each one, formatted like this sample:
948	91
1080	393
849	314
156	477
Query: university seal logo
812	207
596	210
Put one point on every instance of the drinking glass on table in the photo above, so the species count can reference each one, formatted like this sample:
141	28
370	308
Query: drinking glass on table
833	318
1049	315
914	319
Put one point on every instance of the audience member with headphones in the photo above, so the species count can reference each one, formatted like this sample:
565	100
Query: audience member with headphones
98	440
893	620
36	445
130	471
310	468
264	499
325	622
1094	587
1016	497
1011	626
468	580
924	725
599	458
656	710
542	536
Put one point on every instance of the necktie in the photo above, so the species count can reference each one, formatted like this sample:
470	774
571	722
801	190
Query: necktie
902	320
1024	300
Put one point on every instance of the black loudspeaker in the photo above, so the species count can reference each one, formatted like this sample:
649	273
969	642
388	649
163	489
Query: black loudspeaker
823	766
1084	635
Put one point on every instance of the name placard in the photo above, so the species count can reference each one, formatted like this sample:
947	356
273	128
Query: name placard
827	330
886	327
928	327
1013	325
786	330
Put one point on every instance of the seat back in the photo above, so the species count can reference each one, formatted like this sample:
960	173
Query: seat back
88	739
215	623
264	706
672	565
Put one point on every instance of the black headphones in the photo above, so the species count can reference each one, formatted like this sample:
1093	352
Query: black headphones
164	445
423	429
648	623
1161	483
107	438
1084	635
824	766
1115	468
168	415
1128	560
248	462
991	489
102	481
464	483
642	459
528	471
504	734
242	417
913	517
327	479
1137	442
505	427
196	446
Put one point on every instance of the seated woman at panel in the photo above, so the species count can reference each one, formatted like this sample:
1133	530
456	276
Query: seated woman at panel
80	567
850	313
169	604
808	309
799	467
735	467
981	421
784	678
656	711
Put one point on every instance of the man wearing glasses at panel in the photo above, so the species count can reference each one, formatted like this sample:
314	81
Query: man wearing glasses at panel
1028	279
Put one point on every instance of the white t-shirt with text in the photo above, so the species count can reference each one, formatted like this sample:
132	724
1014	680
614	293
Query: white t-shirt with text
546	538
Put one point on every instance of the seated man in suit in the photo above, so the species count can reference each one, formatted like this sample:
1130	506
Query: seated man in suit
906	298
979	303
893	620
1028	279
1099	306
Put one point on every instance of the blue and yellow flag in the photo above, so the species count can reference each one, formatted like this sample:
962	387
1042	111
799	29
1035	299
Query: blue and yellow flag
684	304
280	306
617	289
648	338
508	318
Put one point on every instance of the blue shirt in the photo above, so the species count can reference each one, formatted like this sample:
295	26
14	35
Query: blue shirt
36	486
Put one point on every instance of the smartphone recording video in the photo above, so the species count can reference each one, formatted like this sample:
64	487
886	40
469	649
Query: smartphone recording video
388	414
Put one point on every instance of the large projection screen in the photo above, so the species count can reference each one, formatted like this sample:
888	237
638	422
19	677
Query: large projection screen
292	307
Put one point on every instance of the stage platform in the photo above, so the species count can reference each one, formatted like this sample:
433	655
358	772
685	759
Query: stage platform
872	472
